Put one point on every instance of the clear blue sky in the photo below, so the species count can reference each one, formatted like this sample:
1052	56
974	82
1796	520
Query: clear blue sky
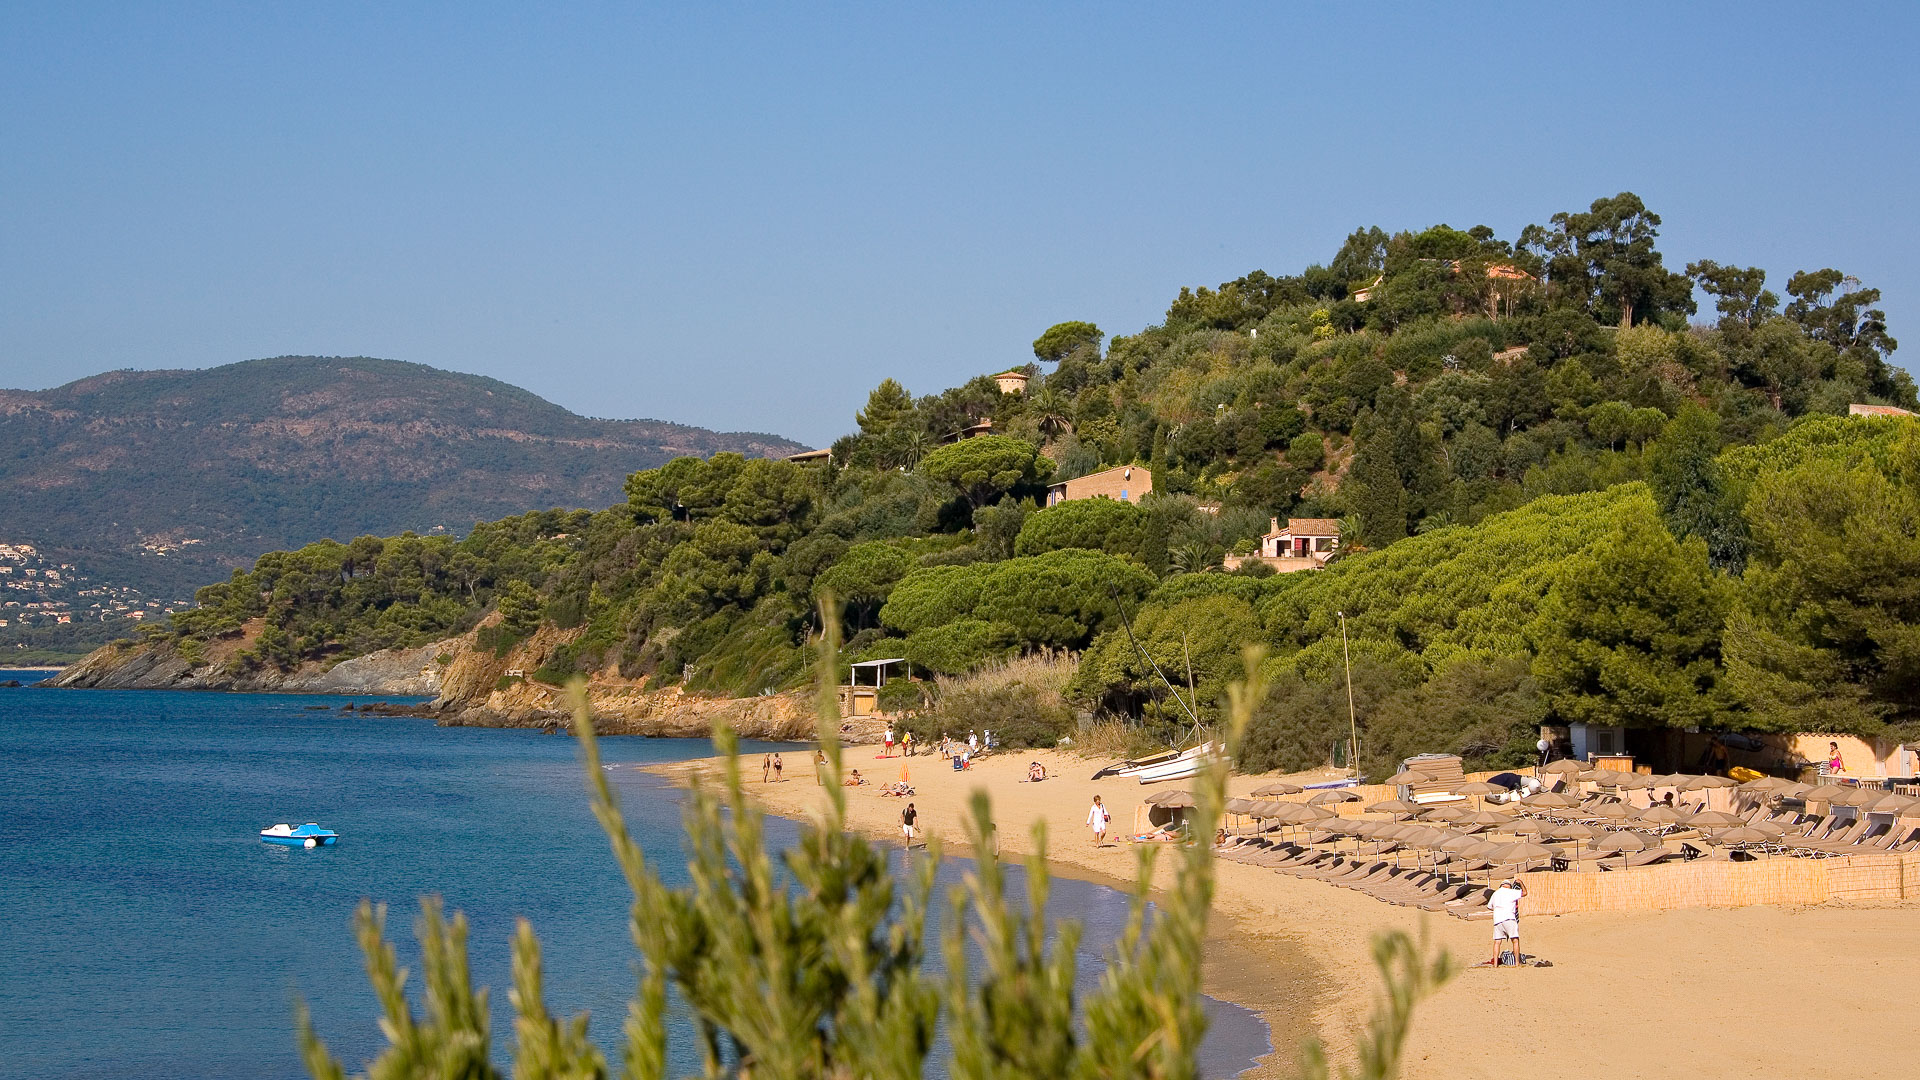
745	218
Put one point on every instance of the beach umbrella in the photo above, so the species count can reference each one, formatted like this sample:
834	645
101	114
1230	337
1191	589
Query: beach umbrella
1857	797
1395	807
1529	826
1458	843
1575	831
1483	817
1564	765
1443	812
1699	783
1793	789
1765	783
1526	852
1890	803
1664	815
1409	776
1823	793
1281	788
1630	781
1172	799
1550	800
1715	819
1482	787
1334	795
1611	811
1239	807
1621	842
1595	776
1742	835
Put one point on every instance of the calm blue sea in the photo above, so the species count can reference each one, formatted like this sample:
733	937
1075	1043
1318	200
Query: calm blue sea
146	932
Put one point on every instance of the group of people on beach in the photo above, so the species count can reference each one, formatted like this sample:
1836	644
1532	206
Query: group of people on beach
771	767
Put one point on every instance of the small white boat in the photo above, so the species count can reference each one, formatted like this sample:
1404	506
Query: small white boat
1187	763
1134	765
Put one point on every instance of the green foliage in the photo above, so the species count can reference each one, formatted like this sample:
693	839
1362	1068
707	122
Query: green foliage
1629	635
1825	637
1117	528
864	577
1696	498
1058	599
1063	339
984	468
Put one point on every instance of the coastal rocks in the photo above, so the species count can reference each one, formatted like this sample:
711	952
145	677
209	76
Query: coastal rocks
400	672
628	710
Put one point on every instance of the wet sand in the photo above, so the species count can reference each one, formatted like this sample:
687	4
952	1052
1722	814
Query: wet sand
1805	992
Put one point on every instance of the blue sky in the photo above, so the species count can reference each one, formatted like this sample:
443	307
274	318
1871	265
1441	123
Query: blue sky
744	218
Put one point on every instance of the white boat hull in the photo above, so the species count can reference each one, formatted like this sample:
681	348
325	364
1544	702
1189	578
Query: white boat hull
1187	764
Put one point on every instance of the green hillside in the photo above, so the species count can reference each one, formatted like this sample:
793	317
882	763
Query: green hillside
1562	497
160	481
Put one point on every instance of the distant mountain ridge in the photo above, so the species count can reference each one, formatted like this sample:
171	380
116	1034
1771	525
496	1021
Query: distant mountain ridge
165	480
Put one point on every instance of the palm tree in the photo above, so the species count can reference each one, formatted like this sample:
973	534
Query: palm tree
1049	409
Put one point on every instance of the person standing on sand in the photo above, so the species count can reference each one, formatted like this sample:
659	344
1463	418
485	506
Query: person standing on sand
778	766
886	749
766	768
908	818
1505	905
1097	818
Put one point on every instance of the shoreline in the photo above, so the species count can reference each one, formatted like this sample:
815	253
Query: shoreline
1297	952
1242	958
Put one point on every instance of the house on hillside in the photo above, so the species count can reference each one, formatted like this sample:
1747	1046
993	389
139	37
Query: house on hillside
1127	483
1303	544
971	431
1876	410
1011	382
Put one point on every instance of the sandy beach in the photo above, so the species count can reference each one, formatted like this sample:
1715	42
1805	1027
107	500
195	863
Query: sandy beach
1805	992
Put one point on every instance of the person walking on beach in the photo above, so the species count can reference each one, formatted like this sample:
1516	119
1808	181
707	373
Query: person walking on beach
778	766
766	768
973	743
1097	818
1505	905
908	818
886	749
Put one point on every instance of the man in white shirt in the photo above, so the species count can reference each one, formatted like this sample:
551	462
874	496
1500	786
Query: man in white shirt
1505	905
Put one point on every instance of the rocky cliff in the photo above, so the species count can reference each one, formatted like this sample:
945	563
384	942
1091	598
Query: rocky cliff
470	687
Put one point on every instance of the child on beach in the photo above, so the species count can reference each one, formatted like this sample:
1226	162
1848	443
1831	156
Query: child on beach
1097	821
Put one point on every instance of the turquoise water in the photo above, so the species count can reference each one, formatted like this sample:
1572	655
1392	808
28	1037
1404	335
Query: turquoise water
149	933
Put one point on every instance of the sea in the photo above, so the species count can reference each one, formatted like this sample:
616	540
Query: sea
147	932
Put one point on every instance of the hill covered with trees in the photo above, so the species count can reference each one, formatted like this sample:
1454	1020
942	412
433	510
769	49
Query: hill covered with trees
1565	493
163	480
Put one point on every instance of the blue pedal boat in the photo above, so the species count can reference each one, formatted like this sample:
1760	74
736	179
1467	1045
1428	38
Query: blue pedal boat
309	835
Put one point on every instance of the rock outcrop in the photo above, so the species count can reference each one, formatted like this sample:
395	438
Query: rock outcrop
470	687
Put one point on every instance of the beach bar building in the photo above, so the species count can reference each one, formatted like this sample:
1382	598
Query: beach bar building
860	697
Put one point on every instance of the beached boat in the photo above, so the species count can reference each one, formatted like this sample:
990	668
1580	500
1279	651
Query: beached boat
1134	765
309	835
1185	764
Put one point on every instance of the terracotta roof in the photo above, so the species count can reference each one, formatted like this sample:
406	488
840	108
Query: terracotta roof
1011	375
1311	527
